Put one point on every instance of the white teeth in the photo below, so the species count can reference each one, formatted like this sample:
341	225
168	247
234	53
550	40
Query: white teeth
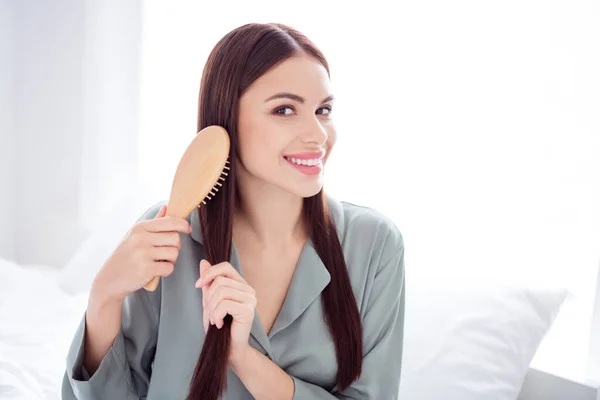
314	161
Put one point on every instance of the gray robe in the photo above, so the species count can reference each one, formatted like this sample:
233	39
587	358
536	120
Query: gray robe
155	352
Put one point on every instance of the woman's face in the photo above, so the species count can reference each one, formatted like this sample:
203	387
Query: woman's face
285	128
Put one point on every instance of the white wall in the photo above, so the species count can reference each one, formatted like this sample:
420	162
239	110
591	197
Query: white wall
7	136
74	131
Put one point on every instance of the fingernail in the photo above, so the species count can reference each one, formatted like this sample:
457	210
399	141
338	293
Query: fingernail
199	283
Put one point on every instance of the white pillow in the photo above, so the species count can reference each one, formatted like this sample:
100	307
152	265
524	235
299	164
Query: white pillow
473	343
79	273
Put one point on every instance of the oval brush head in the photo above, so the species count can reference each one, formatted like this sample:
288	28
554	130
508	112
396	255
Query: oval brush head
198	175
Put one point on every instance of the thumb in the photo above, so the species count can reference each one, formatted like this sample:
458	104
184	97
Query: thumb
162	212
204	265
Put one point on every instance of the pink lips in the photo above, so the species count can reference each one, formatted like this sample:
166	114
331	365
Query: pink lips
307	169
305	156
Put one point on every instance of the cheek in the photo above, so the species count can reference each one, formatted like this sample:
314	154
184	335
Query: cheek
261	143
331	140
331	137
249	133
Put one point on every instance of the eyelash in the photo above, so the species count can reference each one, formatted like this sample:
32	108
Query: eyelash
276	111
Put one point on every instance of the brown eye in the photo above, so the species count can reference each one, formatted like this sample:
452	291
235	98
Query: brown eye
286	110
324	110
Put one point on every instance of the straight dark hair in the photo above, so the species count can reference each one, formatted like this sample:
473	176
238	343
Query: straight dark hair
237	60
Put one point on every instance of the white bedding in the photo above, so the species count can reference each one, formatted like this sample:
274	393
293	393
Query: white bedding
37	322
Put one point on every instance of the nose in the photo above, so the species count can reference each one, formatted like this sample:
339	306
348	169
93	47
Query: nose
314	132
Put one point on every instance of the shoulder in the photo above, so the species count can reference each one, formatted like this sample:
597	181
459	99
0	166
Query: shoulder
367	228
153	210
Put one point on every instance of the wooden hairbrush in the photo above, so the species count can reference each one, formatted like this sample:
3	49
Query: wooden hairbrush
197	177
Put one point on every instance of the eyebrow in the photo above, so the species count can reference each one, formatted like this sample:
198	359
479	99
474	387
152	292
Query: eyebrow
295	97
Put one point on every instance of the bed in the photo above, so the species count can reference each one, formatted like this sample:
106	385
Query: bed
463	343
37	321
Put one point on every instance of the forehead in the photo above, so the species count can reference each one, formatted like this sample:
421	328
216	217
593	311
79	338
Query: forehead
303	75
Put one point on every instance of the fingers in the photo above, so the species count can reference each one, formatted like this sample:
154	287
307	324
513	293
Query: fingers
162	212
167	224
204	265
222	282
163	268
222	269
227	293
166	253
205	321
166	239
241	312
224	292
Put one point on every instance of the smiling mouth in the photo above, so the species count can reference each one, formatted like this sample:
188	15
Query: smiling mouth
307	162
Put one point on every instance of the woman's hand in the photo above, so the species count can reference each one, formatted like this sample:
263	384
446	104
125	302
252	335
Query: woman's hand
149	249
224	292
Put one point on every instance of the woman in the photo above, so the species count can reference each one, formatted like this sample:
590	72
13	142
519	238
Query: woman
271	291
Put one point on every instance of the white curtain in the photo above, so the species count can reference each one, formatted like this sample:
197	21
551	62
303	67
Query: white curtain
69	87
472	124
7	131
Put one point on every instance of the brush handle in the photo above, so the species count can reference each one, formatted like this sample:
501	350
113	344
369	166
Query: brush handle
197	176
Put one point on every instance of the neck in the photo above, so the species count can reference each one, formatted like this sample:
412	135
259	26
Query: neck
268	215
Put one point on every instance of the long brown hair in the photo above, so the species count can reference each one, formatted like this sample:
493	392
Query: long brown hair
237	60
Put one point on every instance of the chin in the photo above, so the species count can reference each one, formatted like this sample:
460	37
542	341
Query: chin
306	190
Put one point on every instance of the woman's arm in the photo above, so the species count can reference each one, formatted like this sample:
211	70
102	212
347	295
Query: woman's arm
103	321
383	331
111	352
123	372
264	379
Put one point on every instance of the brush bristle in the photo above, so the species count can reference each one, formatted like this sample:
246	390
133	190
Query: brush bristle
215	189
